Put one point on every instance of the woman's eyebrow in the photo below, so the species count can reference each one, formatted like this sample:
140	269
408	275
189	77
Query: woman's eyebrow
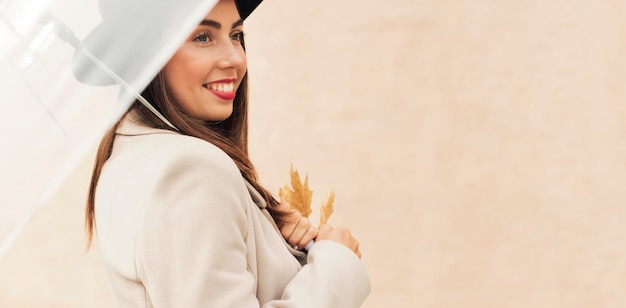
217	25
237	23
211	23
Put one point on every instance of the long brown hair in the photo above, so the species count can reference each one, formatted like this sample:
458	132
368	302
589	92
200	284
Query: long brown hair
230	135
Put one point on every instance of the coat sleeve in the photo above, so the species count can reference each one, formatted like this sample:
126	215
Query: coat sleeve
191	249
333	277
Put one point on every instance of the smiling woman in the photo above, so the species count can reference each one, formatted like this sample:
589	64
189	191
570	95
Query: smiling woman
205	72
179	214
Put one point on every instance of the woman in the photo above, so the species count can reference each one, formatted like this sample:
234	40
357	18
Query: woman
180	216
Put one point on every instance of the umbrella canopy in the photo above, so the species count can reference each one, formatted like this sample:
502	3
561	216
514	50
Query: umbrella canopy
68	70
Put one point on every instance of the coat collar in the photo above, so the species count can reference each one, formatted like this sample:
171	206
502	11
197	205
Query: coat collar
256	196
132	126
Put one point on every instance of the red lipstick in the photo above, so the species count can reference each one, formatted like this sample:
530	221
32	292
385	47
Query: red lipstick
225	91
224	95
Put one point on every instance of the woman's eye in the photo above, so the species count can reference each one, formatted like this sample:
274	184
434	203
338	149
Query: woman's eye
237	36
203	38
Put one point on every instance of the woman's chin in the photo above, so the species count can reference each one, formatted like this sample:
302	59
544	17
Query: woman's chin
215	117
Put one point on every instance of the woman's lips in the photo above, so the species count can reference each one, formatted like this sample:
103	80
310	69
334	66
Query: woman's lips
224	89
224	95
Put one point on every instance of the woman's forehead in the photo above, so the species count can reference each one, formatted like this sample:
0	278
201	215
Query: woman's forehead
225	12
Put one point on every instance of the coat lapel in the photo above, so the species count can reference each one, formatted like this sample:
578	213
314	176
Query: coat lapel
260	202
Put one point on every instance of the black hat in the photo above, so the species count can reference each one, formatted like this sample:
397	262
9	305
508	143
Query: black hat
245	7
130	34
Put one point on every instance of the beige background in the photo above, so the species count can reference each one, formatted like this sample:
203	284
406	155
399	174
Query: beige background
477	149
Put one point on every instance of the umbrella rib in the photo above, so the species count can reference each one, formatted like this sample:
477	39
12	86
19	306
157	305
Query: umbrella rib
34	93
37	98
123	83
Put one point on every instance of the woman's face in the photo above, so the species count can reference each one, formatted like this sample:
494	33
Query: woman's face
205	72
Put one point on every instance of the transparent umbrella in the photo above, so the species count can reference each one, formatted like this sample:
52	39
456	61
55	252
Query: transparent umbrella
68	70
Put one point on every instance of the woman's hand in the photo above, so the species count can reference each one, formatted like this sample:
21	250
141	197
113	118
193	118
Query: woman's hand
297	230
341	235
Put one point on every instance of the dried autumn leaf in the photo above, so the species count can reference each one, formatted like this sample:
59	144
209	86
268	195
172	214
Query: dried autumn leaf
327	208
299	195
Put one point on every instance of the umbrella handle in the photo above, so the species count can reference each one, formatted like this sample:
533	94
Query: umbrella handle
308	246
61	30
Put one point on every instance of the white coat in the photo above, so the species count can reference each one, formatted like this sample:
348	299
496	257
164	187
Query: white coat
178	226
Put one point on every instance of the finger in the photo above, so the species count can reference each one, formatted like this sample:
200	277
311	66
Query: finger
324	232
310	234
287	229
299	231
291	215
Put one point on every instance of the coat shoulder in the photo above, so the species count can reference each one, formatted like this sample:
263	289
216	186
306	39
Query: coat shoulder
162	151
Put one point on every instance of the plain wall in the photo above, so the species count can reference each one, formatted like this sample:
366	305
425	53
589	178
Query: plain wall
477	150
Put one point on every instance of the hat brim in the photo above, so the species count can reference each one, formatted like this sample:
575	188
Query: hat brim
246	7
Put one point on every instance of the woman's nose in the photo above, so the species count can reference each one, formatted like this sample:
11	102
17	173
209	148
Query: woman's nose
231	56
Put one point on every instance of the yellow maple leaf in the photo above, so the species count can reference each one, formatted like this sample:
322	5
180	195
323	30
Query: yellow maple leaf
327	208
299	195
